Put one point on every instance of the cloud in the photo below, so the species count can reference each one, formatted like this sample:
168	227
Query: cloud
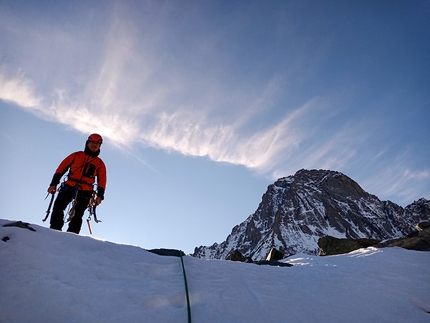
334	150
186	130
400	182
395	180
18	90
278	150
193	134
132	95
104	107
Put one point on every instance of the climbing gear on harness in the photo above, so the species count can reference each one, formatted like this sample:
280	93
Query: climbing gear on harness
92	209
73	203
50	205
89	226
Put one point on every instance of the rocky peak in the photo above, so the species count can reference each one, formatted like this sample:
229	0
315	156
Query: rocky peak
297	210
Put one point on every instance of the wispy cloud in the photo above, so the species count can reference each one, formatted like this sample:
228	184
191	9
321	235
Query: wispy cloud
334	149
189	131
397	180
131	97
193	134
278	150
18	90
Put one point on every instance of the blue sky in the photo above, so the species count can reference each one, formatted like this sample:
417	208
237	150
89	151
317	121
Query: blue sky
203	104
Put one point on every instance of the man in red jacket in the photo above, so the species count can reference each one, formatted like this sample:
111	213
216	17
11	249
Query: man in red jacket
84	167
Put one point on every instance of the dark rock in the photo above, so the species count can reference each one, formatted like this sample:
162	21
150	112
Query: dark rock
419	241
423	226
236	255
274	255
5	239
19	224
273	263
335	246
167	252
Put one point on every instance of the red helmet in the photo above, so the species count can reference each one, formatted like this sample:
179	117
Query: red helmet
96	138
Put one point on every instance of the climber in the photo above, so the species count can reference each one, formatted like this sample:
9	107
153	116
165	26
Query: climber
84	167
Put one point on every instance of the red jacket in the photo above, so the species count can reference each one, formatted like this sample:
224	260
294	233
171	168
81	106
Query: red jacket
83	170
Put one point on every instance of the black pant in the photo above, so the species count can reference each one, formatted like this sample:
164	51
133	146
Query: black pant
65	196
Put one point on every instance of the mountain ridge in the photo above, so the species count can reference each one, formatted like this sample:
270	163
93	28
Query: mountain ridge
298	209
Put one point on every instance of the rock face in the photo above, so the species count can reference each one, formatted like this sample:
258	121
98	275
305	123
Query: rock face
419	240
334	246
298	210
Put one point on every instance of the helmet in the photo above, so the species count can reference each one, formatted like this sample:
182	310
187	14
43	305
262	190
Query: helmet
96	138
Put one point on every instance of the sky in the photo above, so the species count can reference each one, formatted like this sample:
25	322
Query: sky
50	276
203	104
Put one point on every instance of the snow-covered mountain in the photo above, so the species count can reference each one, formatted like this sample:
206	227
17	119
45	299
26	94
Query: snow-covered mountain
297	210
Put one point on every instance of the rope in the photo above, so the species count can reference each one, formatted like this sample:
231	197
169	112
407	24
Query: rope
176	253
186	288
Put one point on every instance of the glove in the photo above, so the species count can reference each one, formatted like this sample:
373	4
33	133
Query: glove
52	189
95	201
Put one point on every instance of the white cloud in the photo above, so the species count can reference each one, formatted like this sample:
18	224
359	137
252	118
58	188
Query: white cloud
189	131
131	96
193	134
104	109
19	91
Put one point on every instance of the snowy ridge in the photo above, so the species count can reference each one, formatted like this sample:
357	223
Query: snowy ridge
297	210
51	276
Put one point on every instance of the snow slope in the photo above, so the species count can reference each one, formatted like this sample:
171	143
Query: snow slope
49	276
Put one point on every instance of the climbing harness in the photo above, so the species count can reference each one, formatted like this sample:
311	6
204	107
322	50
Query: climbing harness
68	177
72	204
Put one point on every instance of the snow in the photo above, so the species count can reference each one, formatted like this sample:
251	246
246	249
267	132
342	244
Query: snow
50	276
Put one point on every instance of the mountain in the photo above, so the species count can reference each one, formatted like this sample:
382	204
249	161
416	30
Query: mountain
297	210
